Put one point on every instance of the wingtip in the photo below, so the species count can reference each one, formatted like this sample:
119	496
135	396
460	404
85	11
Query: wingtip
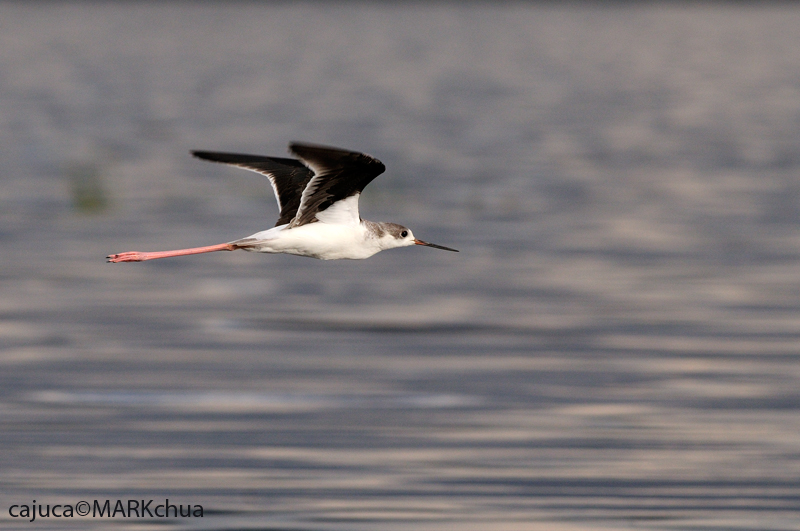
306	150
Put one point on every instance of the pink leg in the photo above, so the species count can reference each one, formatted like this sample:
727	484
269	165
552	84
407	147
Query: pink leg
136	256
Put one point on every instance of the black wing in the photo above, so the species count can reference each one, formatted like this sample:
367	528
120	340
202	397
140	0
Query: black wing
338	174
288	177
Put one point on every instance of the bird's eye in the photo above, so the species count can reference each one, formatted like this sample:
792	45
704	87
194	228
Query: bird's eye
404	234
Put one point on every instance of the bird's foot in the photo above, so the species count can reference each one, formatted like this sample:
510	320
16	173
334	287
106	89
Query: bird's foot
130	256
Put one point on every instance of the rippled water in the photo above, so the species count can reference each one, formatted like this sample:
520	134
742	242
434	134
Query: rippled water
615	347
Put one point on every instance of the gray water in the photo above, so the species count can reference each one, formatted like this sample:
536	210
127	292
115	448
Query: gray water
615	346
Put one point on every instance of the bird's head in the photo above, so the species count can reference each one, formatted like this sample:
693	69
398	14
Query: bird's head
394	235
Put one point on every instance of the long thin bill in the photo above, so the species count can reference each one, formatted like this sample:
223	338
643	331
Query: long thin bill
420	242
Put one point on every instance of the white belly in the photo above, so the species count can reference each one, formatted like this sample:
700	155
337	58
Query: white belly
317	240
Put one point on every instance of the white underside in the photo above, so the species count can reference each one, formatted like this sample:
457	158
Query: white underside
317	240
339	234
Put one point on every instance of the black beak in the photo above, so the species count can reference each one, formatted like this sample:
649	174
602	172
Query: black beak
420	242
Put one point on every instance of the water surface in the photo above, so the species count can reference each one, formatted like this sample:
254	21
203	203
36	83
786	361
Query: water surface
615	347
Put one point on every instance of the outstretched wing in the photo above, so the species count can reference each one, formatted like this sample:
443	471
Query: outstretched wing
338	175
289	177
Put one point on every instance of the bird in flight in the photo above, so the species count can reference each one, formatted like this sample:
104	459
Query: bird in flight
317	195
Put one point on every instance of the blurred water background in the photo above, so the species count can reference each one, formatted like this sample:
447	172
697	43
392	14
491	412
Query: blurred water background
615	347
